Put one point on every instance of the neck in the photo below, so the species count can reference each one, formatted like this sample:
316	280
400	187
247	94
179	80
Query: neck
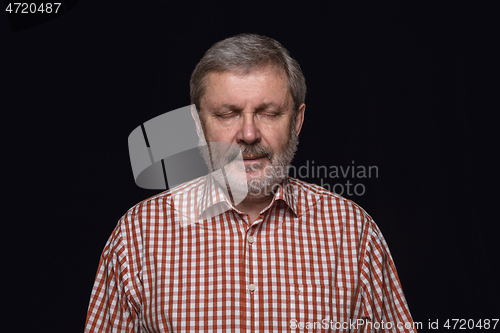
252	206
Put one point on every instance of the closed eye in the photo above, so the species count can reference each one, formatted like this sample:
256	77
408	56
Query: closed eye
226	115
269	114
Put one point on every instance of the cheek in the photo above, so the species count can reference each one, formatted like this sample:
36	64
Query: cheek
218	134
278	140
281	134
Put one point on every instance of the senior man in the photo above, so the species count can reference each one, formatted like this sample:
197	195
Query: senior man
290	256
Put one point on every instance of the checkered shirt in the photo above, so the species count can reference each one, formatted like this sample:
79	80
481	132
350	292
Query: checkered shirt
312	262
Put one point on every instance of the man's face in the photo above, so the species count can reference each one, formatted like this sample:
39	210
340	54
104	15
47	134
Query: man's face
255	113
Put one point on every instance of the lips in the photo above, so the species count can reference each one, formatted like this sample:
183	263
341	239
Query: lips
252	157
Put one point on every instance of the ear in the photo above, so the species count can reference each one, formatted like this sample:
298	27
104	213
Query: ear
299	118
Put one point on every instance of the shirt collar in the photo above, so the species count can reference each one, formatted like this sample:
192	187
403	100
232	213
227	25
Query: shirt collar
215	200
292	193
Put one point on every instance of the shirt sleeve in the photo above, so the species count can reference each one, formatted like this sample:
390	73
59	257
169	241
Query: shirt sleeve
111	308
384	305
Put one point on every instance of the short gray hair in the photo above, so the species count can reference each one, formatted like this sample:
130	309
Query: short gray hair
242	54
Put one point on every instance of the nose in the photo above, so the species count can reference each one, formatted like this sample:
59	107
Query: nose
249	132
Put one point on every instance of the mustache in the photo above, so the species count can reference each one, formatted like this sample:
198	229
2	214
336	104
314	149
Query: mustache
249	151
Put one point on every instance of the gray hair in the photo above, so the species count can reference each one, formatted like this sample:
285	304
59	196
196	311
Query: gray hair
242	54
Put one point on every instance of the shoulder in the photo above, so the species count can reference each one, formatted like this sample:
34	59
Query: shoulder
324	196
332	205
344	217
159	208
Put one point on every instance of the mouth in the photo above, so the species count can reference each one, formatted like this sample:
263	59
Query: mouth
253	159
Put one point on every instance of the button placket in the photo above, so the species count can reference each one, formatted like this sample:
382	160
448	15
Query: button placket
253	266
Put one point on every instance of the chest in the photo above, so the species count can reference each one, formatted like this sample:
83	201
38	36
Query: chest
269	276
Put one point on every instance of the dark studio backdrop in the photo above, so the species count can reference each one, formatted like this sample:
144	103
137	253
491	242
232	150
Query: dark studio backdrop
386	88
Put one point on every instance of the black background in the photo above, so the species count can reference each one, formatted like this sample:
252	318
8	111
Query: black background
386	88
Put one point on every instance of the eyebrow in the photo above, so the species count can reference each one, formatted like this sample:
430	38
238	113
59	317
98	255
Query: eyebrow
259	107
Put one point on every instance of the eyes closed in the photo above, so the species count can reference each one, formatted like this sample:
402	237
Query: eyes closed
260	114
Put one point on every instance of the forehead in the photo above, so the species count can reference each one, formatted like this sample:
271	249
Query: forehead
266	85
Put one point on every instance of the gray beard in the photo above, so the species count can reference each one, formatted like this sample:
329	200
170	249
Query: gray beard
256	187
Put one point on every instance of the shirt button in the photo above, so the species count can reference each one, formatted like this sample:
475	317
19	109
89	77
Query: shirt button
251	239
251	287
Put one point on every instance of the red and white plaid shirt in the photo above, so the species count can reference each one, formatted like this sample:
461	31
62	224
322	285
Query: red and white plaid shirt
313	261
